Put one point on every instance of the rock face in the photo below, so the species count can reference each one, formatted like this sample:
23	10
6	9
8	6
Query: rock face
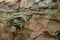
56	17
44	38
1	0
29	3
34	23
11	2
26	3
35	26
54	24
4	31
45	4
32	29
9	5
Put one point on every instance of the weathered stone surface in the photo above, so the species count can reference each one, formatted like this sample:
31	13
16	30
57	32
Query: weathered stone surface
34	27
7	36
53	26
44	38
11	2
56	16
34	23
54	23
29	38
9	6
45	4
3	26
37	25
35	34
26	3
54	5
41	4
5	31
1	0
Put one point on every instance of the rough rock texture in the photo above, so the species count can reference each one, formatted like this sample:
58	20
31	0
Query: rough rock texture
53	25
37	25
9	5
26	3
34	28
40	4
56	16
44	38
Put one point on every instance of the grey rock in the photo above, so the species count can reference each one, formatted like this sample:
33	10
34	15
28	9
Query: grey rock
44	4
27	3
6	10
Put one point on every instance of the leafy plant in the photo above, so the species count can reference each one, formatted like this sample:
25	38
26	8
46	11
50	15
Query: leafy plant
36	1
16	23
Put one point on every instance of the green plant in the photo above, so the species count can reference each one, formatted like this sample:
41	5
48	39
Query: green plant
16	23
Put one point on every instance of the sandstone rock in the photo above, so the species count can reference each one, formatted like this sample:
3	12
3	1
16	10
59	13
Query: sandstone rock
26	3
15	6
34	23
35	34
9	6
11	2
1	0
4	36
45	22
3	26
5	32
56	16
7	36
53	26
29	39
44	38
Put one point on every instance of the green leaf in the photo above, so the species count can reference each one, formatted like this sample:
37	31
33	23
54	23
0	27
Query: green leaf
36	1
